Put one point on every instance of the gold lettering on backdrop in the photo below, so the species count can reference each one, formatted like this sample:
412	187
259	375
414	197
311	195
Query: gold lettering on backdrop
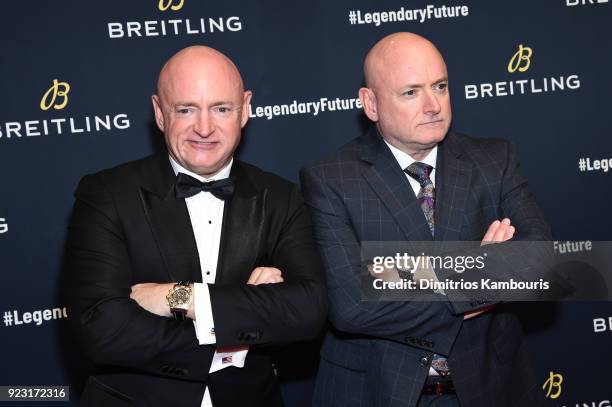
168	4
520	60
553	382
59	89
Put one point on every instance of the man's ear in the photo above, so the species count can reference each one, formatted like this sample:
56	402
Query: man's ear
368	100
246	107
159	116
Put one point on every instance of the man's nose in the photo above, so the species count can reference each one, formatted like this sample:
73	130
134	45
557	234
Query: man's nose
204	124
431	105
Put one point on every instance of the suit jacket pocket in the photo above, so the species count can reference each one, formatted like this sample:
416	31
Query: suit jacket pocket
99	394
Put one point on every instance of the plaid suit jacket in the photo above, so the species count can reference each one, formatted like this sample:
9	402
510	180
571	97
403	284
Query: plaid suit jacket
378	353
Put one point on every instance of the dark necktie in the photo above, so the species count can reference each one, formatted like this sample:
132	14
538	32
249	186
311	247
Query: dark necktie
427	194
427	198
187	186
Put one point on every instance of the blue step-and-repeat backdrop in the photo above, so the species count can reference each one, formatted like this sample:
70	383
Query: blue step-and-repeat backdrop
76	79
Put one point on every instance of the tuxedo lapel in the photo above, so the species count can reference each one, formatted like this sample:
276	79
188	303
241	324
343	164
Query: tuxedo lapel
169	221
453	177
241	233
389	182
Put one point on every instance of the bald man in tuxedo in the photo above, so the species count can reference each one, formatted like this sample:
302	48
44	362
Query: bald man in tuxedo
186	266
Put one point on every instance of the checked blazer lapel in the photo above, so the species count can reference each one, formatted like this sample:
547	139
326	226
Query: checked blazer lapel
242	230
453	178
169	221
389	182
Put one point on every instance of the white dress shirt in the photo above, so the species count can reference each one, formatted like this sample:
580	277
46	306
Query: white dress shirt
404	160
206	215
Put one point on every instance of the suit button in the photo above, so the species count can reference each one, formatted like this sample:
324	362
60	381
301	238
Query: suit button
424	361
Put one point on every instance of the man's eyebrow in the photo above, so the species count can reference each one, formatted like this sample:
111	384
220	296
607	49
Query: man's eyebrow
412	85
185	103
222	102
420	85
194	104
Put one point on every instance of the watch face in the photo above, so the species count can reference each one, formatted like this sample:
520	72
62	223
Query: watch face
180	296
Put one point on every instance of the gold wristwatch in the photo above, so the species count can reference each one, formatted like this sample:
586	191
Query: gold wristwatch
179	298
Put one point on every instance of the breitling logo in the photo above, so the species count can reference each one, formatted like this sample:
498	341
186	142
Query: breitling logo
56	97
520	60
50	98
173	26
553	382
169	4
599	324
571	3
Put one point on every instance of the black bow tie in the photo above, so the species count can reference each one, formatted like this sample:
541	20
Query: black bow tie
187	186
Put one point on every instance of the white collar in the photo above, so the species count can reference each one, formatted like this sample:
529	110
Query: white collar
404	159
224	173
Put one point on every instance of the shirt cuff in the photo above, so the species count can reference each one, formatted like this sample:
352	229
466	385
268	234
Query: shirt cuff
204	323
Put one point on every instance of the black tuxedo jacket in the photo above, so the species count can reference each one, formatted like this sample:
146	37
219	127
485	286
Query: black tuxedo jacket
127	227
379	353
